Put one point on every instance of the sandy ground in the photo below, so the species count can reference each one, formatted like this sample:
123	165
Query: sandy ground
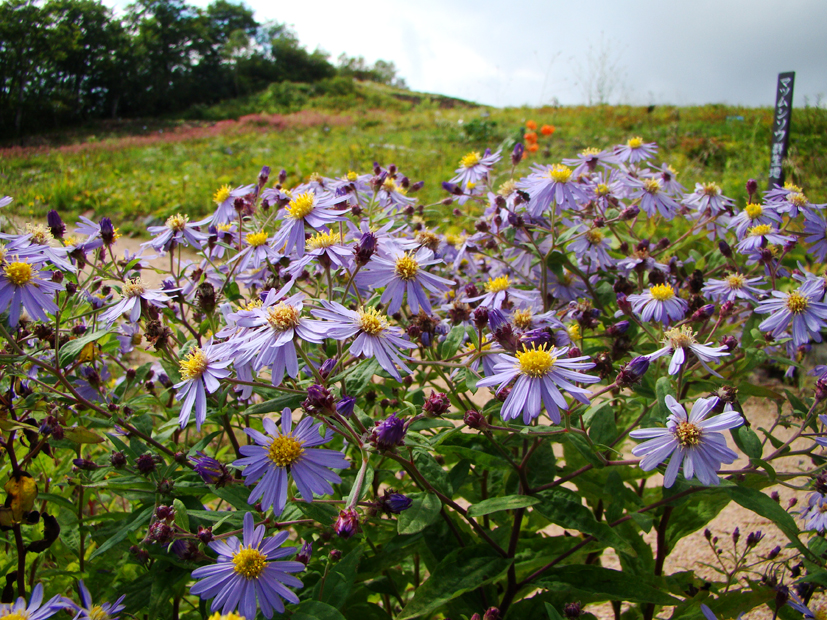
692	552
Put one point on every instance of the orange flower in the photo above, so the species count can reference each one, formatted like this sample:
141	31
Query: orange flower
530	137
525	155
531	125
533	147
547	130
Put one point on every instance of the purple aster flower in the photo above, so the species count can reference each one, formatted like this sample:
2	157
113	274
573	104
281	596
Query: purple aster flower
289	451
635	150
815	227
5	201
405	275
224	199
790	200
653	200
375	337
680	339
89	611
256	253
498	290
732	287
540	373
800	308
753	215
666	175
132	293
177	230
35	610
22	286
708	199
307	208
815	512
34	246
588	160
389	433
694	441
551	185
474	167
660	303
327	248
810	612
246	570
592	246
566	288
200	372
393	197
759	236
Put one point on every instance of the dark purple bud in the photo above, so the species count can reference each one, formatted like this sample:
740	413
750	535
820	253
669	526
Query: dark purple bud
736	535
703	313
210	470
752	187
774	496
282	176
782	595
389	433
141	555
624	304
319	400
536	338
572	610
707	534
327	367
492	613
159	532
436	404
205	534
663	243
165	486
185	549
163	379
515	220
574	352
821	388
729	342
263	176
474	419
753	538
621	327
452	188
725	249
346	406
84	464
394	503
790	245
55	224
117	459
107	231
793	501
481	317
165	513
146	463
347	524
632	372
416	187
726	308
305	553
335	555
502	394
365	248
774	552
629	213
517	153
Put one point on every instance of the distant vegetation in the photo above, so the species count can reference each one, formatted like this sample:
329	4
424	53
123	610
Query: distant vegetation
65	62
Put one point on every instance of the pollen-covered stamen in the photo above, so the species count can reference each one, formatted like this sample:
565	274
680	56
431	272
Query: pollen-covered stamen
754	211
253	304
589	152
40	234
688	434
406	267
371	322
97	613
389	185
535	362
249	562
797	198
177	222
602	190
522	319
662	292
224	227
595	236
470	160
497	285
428	238
455	240
134	288
301	206
352	176
507	188
257	239
797	303
285	450
651	186
323	240
635	143
283	316
573	331
560	173
221	194
736	281
711	189
679	337
194	365
760	230
19	273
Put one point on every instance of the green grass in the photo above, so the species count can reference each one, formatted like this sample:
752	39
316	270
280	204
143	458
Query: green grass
177	167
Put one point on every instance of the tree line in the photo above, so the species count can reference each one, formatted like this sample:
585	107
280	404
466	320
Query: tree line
68	61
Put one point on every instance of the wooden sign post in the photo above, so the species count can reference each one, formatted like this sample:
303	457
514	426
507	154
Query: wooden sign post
781	127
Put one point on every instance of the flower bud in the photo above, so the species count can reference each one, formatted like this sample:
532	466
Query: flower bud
736	535
729	342
55	224
537	338
305	553
492	613
146	463
141	555
347	524
346	406
394	503
335	555
389	433
621	327
474	419
517	153
574	352
572	610
159	532
319	400
752	187
726	308
436	404
84	464
107	231
624	304
117	459
629	213
205	534
703	313
365	248
725	249
481	317
753	538
452	188
632	372
327	367
211	471
774	552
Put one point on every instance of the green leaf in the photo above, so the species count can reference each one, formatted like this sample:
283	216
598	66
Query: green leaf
748	388
432	471
358	379
278	403
459	572
70	350
79	434
452	342
340	580
182	519
552	613
123	532
762	505
423	512
664	388
581	444
321	513
56	499
747	441
316	610
497	504
603	584
693	514
479	458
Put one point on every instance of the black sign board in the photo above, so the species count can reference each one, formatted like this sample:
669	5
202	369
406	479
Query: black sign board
781	127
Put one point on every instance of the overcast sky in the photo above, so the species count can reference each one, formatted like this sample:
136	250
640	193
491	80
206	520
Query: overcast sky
532	51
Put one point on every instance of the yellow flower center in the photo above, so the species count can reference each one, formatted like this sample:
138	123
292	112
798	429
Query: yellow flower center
535	362
753	210
797	303
651	186
428	238
389	185
760	230
406	267
602	189
194	365
797	198
574	331
17	615
257	239
224	227
711	189
301	206
736	280
589	152
230	616
221	194
19	274
635	143
315	177
97	613
594	236
249	562
134	288
285	450
70	240
177	222
789	186
522	319
371	322
470	160
679	337
688	434
662	292
820	613
283	316
560	173
455	240
352	176
39	234
497	285
253	304
507	188
323	240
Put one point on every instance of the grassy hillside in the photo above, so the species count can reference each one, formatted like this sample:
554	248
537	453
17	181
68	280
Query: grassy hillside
176	166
